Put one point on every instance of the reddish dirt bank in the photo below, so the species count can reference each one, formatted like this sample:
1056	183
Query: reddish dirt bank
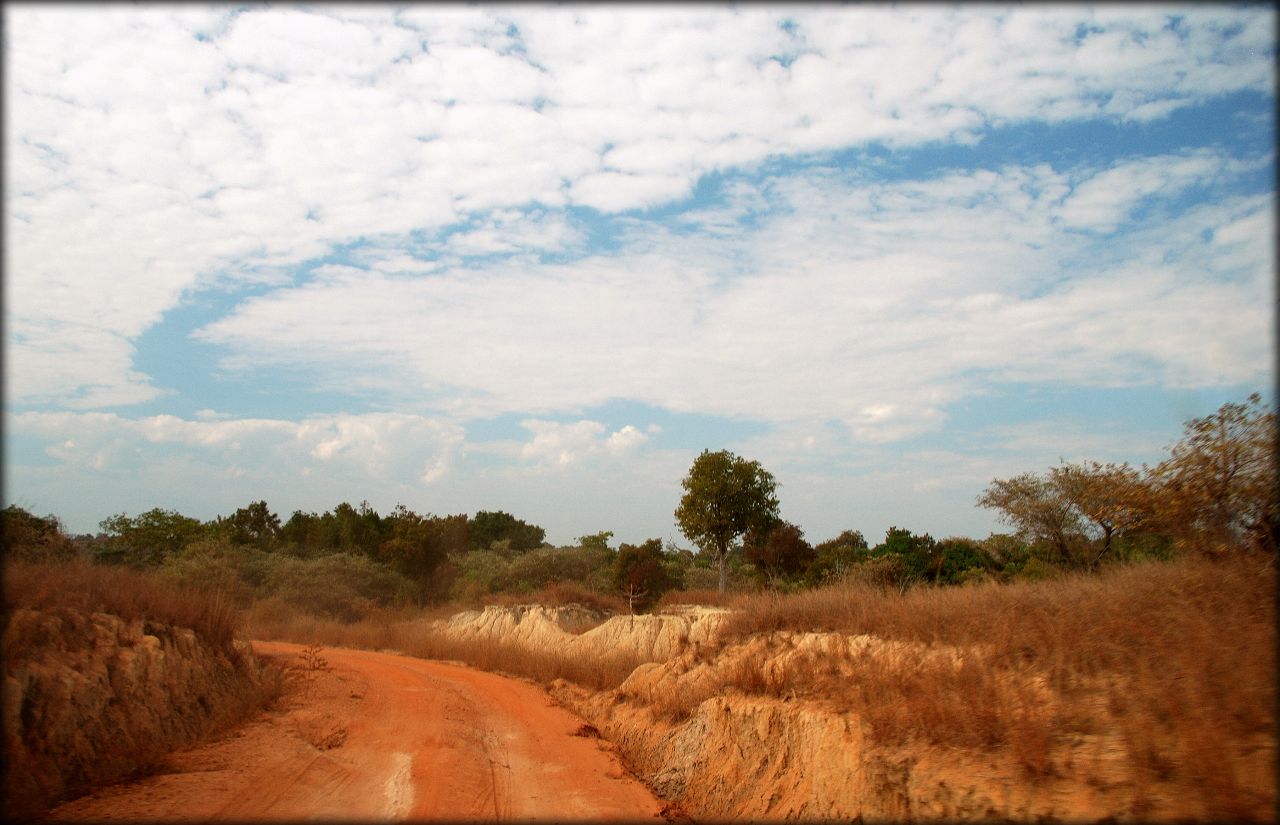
375	736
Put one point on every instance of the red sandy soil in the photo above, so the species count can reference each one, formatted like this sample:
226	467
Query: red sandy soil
376	736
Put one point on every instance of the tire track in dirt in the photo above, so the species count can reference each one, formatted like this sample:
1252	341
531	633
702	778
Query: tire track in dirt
377	736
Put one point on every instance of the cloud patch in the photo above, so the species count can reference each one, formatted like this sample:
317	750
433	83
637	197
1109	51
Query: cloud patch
556	445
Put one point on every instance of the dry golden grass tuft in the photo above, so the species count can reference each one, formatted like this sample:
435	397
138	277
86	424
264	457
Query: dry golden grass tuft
130	594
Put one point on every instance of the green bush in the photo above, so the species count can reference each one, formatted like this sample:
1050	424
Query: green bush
339	585
215	564
480	572
536	568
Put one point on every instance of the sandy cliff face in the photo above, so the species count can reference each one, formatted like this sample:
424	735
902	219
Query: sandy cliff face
581	631
90	698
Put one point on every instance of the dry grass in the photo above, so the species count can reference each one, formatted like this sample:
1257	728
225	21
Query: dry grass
1179	658
127	593
710	598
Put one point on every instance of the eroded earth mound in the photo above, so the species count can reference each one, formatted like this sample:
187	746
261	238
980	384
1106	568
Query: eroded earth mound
90	698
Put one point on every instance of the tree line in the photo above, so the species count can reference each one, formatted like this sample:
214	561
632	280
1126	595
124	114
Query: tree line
1215	493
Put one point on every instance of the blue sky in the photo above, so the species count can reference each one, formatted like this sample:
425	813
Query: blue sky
537	258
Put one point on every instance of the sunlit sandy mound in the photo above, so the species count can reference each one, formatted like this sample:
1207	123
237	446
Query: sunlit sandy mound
580	630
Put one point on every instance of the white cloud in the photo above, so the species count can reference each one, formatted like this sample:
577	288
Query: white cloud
152	153
557	445
91	465
857	298
1104	200
616	191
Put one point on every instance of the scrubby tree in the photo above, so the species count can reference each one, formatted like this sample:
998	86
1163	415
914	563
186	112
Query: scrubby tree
418	545
596	541
1112	498
956	559
255	525
917	554
1036	508
834	556
725	498
304	534
1218	488
356	531
640	574
779	553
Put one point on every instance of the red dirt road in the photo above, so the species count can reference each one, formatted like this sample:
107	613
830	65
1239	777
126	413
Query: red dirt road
376	736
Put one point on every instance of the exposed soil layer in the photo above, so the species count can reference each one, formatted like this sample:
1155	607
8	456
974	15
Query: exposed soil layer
90	698
376	736
766	729
583	632
761	758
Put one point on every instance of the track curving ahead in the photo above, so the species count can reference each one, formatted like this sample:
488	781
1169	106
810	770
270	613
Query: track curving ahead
377	737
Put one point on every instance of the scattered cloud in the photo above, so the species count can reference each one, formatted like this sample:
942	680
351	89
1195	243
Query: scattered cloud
444	214
930	287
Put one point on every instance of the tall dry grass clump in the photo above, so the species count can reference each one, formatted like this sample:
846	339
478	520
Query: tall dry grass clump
78	585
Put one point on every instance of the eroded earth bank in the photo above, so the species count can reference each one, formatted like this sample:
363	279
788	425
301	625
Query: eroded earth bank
715	728
90	698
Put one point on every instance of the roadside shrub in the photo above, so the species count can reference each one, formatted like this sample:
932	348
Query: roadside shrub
479	573
215	564
537	568
700	579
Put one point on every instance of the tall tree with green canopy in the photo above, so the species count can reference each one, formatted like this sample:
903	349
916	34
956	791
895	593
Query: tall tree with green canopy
255	524
150	537
725	498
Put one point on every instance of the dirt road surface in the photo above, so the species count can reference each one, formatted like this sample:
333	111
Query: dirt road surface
375	737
